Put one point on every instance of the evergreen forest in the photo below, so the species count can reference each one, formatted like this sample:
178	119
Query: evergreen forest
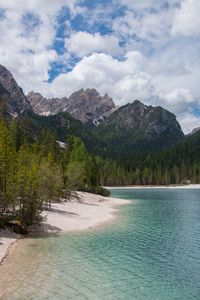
36	169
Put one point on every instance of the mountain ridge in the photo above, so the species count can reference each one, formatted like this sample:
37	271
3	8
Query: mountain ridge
84	105
138	127
129	128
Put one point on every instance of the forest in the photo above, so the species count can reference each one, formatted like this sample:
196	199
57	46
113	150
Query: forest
33	174
36	169
179	164
131	163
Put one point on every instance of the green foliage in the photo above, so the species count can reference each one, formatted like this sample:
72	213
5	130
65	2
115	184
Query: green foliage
179	164
35	172
81	173
27	187
51	182
76	176
29	174
99	190
7	167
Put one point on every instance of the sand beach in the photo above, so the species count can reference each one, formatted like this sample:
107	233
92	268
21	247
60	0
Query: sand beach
91	211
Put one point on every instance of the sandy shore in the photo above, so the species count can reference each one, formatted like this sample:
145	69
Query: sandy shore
94	210
7	240
188	186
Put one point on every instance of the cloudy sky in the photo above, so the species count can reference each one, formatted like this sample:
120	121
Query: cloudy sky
131	49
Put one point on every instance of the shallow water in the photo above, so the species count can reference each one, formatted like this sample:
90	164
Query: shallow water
152	252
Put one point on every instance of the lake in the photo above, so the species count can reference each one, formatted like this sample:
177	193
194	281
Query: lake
150	252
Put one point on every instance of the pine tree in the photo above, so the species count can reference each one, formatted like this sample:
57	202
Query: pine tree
7	167
51	181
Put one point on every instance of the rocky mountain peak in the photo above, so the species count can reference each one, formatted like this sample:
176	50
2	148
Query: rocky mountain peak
85	105
137	102
136	123
44	106
129	115
36	96
89	105
12	93
132	125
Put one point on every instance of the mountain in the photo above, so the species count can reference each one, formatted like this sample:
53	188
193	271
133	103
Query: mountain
63	125
45	107
84	105
13	95
129	129
136	127
195	130
132	144
175	165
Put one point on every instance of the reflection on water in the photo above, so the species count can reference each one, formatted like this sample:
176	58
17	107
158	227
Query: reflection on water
152	252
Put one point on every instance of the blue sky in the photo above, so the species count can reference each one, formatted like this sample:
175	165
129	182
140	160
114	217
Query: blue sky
144	49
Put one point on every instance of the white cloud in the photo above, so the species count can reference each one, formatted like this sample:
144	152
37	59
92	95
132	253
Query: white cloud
189	121
139	4
179	95
27	54
84	43
123	80
38	6
159	57
186	20
178	100
142	26
28	31
147	4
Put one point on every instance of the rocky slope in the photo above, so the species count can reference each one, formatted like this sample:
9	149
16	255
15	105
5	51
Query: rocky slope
133	128
123	131
84	105
45	107
12	94
136	126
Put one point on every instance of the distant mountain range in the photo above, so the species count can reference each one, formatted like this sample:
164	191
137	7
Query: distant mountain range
105	129
84	105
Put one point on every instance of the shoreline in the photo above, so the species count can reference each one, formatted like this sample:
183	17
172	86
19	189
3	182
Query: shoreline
8	240
91	212
188	186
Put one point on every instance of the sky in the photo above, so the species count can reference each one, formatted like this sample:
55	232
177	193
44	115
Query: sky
131	49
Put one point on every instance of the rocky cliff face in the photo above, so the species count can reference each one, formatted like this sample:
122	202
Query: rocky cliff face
159	122
87	105
44	106
84	105
127	117
12	94
137	126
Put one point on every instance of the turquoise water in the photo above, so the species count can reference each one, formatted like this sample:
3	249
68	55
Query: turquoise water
152	252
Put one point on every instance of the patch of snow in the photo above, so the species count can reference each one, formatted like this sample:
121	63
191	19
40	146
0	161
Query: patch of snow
61	144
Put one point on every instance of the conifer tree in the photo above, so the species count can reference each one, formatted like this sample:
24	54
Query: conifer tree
7	166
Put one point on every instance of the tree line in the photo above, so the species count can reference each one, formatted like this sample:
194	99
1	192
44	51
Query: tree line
36	169
179	164
33	174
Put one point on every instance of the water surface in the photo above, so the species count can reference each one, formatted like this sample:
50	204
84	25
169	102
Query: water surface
151	252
